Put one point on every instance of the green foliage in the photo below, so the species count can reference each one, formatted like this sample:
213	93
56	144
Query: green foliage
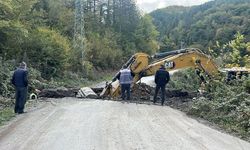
247	85
167	44
234	52
103	51
239	53
41	33
202	25
53	50
146	35
186	80
6	88
227	106
6	115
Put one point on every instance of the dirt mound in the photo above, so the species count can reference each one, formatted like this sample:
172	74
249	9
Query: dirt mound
145	93
139	92
58	93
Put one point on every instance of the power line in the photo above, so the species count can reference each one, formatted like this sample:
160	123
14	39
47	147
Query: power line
79	27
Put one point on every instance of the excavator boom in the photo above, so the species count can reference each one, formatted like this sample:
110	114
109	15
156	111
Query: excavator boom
174	60
191	58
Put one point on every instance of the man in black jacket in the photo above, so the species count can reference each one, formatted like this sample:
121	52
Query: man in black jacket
161	79
20	81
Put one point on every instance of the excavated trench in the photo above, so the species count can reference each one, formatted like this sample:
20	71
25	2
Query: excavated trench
140	93
143	94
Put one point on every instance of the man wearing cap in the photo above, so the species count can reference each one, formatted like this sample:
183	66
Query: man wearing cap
20	81
161	79
125	77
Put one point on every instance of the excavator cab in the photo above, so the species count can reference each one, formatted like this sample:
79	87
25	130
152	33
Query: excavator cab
236	73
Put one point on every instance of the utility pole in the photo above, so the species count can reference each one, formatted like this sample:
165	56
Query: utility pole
79	28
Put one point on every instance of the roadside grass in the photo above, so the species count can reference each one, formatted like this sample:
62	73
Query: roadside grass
6	110
70	80
6	114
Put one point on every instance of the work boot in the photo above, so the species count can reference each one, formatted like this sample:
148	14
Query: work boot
154	101
22	112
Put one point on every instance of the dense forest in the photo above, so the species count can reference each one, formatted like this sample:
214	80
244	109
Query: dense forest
44	32
209	26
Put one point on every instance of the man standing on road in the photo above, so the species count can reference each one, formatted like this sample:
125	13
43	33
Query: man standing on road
125	78
20	81
161	79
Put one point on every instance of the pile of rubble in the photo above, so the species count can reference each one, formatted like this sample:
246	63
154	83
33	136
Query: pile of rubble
177	99
58	93
144	92
139	92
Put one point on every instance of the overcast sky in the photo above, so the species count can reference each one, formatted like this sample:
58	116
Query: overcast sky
149	5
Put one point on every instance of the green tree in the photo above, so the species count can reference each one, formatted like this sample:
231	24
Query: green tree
205	24
239	51
146	35
103	51
47	50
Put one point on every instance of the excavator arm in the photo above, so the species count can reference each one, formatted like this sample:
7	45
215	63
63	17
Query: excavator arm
188	58
175	60
137	63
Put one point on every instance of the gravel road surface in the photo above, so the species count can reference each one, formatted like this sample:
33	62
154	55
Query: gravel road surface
70	124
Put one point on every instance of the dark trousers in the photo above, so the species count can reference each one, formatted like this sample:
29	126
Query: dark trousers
163	93
125	89
21	94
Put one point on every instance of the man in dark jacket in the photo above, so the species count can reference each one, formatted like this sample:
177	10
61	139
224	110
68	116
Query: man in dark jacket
20	81
161	79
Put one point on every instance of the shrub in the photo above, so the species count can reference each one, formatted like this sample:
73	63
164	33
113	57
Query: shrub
185	79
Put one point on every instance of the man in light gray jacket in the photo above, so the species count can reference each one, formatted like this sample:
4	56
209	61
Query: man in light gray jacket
125	77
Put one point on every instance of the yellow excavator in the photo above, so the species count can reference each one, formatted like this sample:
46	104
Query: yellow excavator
140	65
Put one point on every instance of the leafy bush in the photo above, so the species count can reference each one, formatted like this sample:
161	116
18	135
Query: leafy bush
247	85
226	105
104	51
5	77
186	80
47	51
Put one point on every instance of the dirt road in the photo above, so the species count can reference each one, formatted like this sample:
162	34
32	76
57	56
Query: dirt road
108	125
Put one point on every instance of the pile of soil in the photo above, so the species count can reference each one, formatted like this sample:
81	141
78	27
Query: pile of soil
58	93
145	92
140	93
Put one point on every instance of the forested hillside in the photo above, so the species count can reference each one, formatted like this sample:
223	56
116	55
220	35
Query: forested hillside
203	26
41	32
220	28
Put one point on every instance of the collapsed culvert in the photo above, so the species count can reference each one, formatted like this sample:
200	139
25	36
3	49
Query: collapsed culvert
139	92
144	92
58	92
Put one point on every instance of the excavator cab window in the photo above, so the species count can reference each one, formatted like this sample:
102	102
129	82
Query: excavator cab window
231	75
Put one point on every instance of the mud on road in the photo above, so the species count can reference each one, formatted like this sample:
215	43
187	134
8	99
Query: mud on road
71	124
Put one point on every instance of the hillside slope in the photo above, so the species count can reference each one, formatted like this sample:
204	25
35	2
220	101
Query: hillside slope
201	26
